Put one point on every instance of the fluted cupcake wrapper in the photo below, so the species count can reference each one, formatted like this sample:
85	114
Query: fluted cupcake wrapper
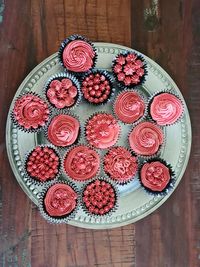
170	184
66	173
69	113
144	98
33	180
142	79
111	83
31	130
111	211
121	181
89	118
161	92
59	76
66	42
149	157
62	219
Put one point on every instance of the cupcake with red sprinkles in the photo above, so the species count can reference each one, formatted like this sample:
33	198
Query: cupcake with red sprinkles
156	176
42	164
97	87
30	112
120	165
77	54
81	163
102	130
63	91
129	69
99	198
58	202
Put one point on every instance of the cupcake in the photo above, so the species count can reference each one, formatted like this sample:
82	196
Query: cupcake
129	69
102	130
30	112
97	87
63	130
81	163
42	164
99	197
59	202
166	108
62	90
146	138
129	107
156	176
77	54
120	164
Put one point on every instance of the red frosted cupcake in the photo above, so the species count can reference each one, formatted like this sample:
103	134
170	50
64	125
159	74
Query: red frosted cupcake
155	176
166	108
30	112
97	87
42	164
99	197
102	130
146	139
120	165
82	163
129	69
129	107
62	90
77	54
63	130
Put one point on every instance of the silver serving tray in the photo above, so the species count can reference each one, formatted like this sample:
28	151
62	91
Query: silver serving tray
134	202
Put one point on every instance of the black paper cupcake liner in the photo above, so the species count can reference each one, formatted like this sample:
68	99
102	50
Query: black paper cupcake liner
112	210
170	184
142	79
31	130
58	219
66	42
59	76
110	80
35	181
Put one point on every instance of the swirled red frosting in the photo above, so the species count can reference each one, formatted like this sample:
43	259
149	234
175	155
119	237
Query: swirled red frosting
166	109
146	138
60	200
128	69
63	130
78	56
129	107
102	130
120	164
42	164
155	176
99	197
96	88
31	111
62	93
82	163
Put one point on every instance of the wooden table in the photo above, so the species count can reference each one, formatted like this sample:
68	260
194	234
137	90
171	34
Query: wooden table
166	31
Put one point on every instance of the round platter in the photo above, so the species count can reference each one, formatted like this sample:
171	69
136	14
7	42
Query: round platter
134	202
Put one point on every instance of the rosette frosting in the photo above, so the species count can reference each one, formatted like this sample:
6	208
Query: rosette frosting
146	138
82	163
31	112
166	108
155	176
60	200
63	130
120	164
129	107
102	130
78	56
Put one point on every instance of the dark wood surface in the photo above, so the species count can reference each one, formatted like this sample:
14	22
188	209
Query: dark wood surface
166	31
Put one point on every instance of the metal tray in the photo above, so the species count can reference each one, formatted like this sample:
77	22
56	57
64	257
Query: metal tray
134	202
